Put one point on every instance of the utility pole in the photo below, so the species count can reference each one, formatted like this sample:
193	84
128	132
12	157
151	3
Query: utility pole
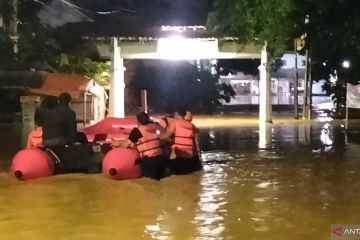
14	36
309	115
296	82
306	87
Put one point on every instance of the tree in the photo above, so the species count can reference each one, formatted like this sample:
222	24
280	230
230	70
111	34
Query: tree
331	28
333	37
99	71
254	21
173	84
45	48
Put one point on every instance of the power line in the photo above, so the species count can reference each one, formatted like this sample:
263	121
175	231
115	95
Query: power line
51	10
88	10
97	12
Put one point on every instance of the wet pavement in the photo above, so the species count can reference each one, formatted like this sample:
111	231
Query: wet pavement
307	180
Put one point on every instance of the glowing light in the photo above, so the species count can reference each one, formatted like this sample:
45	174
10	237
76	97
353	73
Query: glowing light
325	135
346	64
178	48
333	78
213	61
182	28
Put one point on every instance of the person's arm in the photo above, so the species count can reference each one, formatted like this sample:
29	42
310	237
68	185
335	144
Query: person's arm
126	143
134	137
166	135
162	125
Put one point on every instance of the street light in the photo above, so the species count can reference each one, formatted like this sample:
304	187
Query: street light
346	64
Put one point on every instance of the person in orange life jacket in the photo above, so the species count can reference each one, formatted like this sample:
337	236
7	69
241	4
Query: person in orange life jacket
35	136
184	135
165	123
145	138
197	155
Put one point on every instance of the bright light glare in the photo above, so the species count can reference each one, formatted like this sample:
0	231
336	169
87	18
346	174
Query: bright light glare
325	135
178	48
346	64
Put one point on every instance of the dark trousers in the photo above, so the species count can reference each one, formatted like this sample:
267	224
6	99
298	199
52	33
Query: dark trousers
153	167
180	166
79	158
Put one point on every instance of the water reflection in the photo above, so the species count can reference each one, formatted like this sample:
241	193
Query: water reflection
265	135
211	210
325	135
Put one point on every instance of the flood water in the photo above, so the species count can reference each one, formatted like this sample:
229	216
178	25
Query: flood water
308	180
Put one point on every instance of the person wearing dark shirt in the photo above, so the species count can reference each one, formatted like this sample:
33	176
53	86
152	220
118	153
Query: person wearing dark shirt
35	136
59	125
146	140
59	136
47	103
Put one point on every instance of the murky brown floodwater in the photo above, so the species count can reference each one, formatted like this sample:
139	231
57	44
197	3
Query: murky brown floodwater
309	180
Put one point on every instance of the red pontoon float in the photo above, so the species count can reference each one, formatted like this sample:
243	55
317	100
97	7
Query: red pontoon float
32	163
121	163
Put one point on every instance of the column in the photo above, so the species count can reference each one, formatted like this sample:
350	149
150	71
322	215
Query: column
117	82
265	102
28	107
265	99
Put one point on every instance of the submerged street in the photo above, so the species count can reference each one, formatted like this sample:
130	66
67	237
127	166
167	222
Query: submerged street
277	83
307	181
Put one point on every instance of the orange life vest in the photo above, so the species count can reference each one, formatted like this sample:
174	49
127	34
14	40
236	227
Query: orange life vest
35	138
149	144
183	138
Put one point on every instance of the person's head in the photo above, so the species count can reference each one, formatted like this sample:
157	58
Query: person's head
180	112
188	116
49	102
64	98
143	118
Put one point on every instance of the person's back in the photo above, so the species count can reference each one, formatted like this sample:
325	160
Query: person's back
59	127
184	157
59	134
148	145
35	136
147	142
184	136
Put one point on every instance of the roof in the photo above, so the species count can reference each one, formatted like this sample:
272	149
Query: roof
56	83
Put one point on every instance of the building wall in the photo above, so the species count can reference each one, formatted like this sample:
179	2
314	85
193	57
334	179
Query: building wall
247	86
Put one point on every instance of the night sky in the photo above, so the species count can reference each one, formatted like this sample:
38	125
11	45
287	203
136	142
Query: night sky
136	17
171	12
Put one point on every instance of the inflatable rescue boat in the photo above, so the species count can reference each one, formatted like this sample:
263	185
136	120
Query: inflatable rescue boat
92	157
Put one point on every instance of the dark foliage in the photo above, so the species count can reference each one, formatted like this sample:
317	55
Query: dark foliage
173	84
